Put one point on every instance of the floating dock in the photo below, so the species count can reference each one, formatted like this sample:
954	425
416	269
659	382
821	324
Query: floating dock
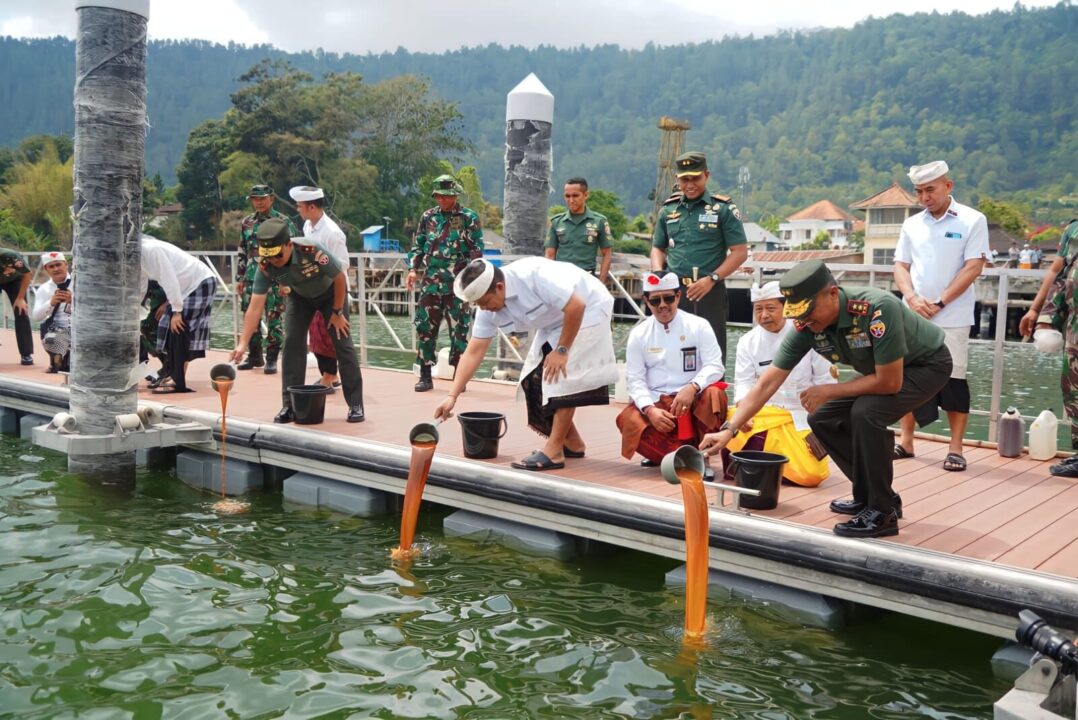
975	547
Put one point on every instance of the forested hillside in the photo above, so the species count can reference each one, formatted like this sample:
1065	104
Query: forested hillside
834	113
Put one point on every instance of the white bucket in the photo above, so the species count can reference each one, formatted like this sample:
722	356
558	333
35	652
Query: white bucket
1043	436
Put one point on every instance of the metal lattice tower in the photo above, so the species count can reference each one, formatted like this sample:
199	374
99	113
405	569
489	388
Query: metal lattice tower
671	145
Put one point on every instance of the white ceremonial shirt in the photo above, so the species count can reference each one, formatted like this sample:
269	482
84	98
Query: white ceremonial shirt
660	360
42	303
329	235
936	250
755	351
175	271
536	292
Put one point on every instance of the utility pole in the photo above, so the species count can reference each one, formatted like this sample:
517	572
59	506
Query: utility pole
743	179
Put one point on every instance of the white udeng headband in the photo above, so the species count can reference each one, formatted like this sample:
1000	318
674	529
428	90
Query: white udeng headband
478	287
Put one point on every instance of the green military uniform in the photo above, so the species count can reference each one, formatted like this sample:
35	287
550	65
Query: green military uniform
1061	311
577	237
247	266
310	274
13	269
873	328
696	236
444	243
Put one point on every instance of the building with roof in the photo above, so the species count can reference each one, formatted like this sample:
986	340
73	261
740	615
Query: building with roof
884	214
759	238
824	216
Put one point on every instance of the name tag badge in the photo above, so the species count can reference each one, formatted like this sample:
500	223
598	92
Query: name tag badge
953	235
765	363
654	350
688	359
858	340
709	218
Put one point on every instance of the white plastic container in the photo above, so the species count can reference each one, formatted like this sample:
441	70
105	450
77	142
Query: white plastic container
621	386
1043	436
442	370
1012	431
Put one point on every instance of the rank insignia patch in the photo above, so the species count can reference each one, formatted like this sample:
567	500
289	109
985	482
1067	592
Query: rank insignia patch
877	329
857	307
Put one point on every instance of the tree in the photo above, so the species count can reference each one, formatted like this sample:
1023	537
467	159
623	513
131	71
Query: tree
1011	217
822	241
609	204
199	186
39	194
17	235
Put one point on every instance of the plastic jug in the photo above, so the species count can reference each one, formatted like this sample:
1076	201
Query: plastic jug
1012	431
442	370
1043	437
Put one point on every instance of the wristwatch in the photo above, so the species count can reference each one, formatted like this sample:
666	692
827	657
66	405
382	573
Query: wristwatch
338	311
939	303
726	426
561	350
715	277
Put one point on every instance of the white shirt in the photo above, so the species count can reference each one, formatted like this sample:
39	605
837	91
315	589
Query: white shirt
755	351
175	271
1025	256
660	360
936	250
536	292
42	307
329	235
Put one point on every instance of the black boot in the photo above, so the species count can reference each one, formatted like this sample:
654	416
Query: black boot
271	361
425	382
254	359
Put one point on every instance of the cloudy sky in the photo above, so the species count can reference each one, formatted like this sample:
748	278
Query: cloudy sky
362	26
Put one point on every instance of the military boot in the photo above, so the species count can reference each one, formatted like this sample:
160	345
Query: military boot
254	359
425	382
271	361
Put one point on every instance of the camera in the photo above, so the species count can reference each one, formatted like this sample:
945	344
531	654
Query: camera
1037	634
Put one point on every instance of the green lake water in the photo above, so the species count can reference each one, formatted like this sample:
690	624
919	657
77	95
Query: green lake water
145	604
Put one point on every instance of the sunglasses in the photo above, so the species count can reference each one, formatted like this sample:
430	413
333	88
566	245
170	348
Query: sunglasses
657	300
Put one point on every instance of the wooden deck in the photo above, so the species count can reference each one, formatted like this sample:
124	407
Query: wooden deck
1008	511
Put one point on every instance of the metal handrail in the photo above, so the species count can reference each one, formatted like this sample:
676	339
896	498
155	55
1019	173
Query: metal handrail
758	270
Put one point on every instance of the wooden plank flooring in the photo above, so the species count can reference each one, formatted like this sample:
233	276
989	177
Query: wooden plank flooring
1004	510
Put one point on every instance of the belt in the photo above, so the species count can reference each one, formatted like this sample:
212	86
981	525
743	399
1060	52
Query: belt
689	281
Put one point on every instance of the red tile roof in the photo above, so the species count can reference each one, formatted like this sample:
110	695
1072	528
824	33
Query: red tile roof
893	196
799	255
822	210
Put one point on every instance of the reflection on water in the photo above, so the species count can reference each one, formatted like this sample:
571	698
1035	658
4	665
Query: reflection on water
150	605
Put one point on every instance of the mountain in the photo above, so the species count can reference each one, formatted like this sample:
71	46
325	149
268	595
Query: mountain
834	114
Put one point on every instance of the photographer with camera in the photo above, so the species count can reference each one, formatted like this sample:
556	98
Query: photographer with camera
52	308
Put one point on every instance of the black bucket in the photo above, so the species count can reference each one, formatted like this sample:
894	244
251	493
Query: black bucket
309	403
761	471
481	433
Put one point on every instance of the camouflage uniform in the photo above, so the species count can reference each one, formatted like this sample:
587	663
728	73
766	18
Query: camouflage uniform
245	273
444	243
1061	310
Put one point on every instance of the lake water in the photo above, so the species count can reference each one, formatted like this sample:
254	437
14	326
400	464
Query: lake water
145	604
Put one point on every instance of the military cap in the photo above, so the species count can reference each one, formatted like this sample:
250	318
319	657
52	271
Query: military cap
446	185
690	163
272	235
261	191
801	285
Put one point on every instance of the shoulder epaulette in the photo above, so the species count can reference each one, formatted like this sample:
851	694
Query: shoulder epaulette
676	197
858	307
721	198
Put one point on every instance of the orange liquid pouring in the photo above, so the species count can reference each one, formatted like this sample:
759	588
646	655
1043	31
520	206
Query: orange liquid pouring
696	551
422	455
224	505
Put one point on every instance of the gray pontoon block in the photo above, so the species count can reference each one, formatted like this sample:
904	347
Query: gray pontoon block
202	471
273	477
316	491
29	421
1011	660
790	604
156	457
523	538
9	421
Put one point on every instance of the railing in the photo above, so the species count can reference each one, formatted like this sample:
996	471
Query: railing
367	301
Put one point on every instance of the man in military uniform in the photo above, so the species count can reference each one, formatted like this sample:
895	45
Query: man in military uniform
317	284
902	361
448	236
1060	311
261	198
15	278
576	233
699	237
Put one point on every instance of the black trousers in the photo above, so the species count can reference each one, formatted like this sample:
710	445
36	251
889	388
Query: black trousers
297	319
713	308
24	334
855	430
